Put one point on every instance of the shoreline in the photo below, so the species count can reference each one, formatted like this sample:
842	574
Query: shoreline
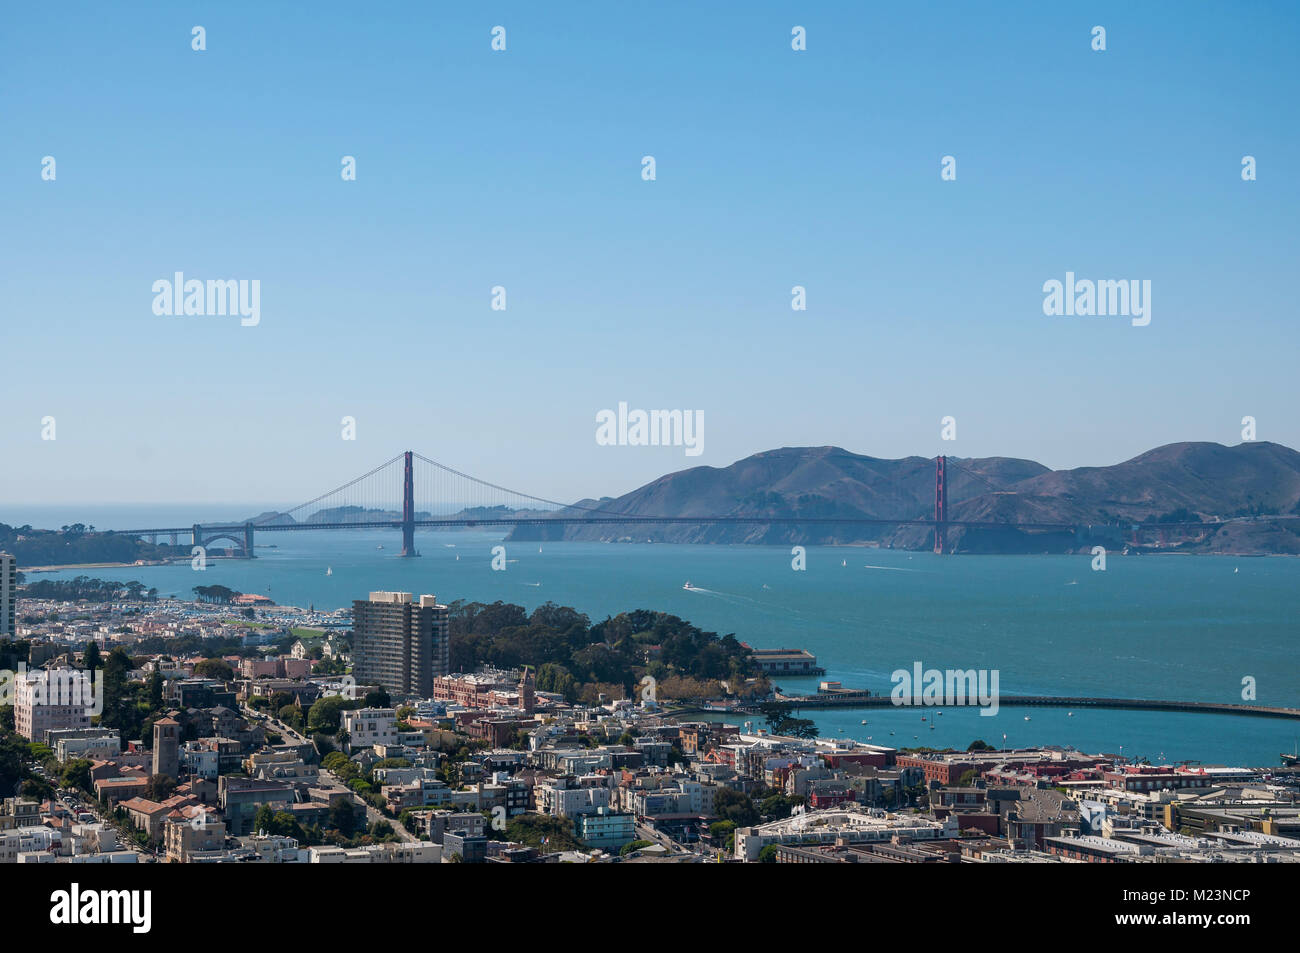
152	564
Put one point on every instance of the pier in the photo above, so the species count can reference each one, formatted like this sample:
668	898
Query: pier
865	700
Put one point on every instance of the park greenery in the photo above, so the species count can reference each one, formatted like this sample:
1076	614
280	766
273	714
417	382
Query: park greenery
76	544
581	661
86	589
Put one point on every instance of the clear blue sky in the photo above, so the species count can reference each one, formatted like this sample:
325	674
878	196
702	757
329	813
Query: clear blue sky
522	169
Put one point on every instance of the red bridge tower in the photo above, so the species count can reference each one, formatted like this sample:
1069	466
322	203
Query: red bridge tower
940	505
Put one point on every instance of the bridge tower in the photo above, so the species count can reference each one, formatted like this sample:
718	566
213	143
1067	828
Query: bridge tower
196	535
248	541
940	505
408	508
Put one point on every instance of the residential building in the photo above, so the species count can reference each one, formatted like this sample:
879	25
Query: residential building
8	594
399	643
367	727
46	701
606	829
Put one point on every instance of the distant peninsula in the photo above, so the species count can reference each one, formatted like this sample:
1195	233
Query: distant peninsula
1247	497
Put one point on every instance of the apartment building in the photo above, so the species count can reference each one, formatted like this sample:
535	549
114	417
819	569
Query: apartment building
51	701
399	643
367	727
8	594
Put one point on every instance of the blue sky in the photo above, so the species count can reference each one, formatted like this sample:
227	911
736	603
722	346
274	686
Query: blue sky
775	168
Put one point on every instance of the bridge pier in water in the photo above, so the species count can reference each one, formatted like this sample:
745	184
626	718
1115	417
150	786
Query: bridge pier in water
240	536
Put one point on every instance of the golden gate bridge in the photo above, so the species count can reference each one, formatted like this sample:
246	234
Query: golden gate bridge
411	491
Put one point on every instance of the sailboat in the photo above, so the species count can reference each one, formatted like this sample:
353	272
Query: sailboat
329	570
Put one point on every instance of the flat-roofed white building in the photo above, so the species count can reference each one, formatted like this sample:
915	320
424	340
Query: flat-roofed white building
852	825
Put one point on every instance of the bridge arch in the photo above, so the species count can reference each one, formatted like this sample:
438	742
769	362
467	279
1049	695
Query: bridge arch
217	537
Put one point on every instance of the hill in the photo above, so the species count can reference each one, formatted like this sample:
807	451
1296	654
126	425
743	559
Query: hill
1180	482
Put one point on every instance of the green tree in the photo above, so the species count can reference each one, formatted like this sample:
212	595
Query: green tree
342	818
217	668
155	690
719	831
532	829
734	806
326	714
767	855
160	787
76	774
92	659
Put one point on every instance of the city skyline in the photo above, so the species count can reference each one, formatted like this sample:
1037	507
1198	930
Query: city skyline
522	169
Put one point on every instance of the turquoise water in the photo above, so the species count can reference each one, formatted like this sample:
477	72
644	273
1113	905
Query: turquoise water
1188	628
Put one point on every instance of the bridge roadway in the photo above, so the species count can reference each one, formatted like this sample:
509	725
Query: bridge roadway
861	700
460	521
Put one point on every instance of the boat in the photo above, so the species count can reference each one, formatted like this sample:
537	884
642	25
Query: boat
923	718
329	570
1026	718
844	562
864	721
687	585
380	546
1291	760
1069	714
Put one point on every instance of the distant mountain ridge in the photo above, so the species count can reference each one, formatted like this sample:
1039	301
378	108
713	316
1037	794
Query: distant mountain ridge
1196	480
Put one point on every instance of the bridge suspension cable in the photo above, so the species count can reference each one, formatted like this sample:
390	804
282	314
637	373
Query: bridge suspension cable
337	489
